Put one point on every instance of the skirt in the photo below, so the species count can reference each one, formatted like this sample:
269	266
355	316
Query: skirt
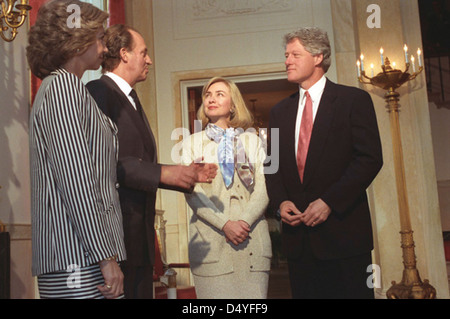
76	283
240	284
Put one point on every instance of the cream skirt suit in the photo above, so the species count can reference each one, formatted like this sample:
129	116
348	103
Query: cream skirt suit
221	269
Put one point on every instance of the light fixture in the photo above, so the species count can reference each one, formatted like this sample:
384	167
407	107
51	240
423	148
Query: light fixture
10	19
390	79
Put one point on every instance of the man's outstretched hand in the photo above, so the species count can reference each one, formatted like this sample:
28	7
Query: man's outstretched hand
205	172
184	178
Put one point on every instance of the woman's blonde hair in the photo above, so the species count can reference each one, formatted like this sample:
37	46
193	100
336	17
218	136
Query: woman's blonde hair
57	36
240	116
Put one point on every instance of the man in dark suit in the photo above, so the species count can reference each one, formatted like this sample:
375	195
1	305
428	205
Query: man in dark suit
139	175
330	154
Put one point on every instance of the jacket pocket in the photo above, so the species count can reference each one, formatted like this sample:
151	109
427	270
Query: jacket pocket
260	263
205	245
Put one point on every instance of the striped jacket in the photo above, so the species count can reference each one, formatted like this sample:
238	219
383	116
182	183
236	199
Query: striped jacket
76	216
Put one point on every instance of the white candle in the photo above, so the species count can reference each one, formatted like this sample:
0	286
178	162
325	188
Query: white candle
371	67
381	53
413	63
358	68
362	62
406	53
419	58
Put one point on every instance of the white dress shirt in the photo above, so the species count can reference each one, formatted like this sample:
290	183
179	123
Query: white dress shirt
123	86
315	92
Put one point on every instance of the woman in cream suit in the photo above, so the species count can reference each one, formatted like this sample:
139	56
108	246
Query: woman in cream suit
229	248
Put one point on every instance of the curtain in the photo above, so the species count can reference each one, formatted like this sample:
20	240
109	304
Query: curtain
116	12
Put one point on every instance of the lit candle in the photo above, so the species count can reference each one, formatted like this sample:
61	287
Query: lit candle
413	63
358	67
393	65
381	53
406	53
362	62
419	58
371	67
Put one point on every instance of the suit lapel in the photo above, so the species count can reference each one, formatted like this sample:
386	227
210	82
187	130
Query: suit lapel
141	123
287	131
152	137
321	128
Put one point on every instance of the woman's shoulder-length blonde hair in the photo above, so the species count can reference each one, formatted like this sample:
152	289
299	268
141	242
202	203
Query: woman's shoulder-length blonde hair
60	33
240	118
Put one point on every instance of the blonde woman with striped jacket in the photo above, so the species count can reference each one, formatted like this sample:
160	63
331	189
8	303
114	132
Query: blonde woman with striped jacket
77	231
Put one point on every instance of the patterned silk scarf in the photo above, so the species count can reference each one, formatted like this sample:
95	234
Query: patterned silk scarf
231	155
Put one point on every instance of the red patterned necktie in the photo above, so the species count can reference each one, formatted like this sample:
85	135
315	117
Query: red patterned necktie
305	135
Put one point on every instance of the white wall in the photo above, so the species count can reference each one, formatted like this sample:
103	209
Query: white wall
14	160
14	110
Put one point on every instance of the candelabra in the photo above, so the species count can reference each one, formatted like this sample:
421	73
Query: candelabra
411	285
10	19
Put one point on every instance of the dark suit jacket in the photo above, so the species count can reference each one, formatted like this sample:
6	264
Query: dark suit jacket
137	170
343	159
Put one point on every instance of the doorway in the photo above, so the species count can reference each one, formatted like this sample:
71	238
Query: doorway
260	92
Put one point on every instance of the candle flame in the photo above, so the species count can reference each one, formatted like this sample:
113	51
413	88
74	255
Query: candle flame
381	50
405	48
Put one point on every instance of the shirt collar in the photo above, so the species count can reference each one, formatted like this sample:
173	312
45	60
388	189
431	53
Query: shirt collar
121	83
316	90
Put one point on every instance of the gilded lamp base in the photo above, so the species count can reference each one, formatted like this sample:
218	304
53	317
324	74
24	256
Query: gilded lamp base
411	287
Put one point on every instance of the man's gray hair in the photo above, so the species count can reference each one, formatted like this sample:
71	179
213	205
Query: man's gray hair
315	41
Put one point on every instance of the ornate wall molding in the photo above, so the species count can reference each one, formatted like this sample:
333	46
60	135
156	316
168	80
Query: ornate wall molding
206	9
205	18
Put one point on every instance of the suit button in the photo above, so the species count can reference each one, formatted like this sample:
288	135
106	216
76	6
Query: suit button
251	267
117	185
251	254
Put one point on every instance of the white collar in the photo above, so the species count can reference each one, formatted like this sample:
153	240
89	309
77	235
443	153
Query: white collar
121	83
316	90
